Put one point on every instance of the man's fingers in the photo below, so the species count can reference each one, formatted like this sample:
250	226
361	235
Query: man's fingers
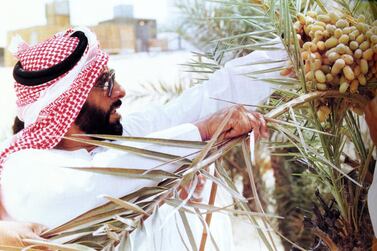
263	128
240	122
265	132
222	136
228	134
37	228
196	196
255	124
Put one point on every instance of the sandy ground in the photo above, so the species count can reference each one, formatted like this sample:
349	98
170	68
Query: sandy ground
132	71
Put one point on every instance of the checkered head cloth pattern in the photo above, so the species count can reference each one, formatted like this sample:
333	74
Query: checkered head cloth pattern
48	105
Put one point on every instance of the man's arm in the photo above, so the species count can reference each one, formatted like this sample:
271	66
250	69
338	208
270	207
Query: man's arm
230	83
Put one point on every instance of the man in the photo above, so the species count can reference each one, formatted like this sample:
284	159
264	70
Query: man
64	87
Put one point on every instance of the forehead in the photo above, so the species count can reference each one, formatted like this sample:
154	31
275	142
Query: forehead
104	71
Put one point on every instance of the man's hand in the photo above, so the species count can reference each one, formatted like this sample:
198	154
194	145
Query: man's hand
12	233
371	118
197	195
241	121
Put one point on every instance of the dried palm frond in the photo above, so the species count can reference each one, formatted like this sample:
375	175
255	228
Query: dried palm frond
118	218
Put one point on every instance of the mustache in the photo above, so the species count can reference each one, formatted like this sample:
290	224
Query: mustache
116	105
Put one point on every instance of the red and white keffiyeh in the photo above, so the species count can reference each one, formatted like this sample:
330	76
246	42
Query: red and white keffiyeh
48	109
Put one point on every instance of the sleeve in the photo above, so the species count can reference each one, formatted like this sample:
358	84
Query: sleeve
41	190
230	83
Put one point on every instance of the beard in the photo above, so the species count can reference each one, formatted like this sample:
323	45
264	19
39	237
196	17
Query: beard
93	120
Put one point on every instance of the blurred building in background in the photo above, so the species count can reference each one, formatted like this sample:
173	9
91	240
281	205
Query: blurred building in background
57	13
123	33
1	56
126	33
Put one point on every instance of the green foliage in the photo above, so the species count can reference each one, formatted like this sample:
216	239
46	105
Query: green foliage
333	152
294	196
221	26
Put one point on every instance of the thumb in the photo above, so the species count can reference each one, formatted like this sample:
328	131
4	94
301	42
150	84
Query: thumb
38	229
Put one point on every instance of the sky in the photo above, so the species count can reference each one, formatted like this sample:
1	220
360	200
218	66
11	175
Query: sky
16	14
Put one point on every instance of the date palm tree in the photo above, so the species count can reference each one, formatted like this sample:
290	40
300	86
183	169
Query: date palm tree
310	157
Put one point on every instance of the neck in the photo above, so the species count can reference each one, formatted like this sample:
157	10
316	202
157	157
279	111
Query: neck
70	145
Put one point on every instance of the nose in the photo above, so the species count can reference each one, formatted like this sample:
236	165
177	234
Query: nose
118	91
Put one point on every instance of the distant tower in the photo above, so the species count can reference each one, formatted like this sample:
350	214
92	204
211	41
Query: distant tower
57	13
123	11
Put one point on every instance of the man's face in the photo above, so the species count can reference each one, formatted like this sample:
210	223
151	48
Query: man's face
99	115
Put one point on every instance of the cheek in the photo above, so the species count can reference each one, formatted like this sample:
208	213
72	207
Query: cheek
92	97
98	100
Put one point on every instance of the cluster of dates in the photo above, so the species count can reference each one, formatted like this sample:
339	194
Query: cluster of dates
339	52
